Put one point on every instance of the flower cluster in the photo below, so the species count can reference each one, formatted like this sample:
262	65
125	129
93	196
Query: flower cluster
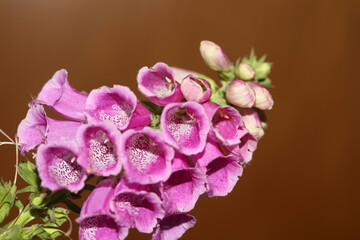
156	158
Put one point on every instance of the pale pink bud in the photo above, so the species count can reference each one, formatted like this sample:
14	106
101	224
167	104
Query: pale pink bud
263	97
240	94
252	122
214	56
195	89
245	71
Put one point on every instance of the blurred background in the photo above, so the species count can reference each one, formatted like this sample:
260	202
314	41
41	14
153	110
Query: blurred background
303	182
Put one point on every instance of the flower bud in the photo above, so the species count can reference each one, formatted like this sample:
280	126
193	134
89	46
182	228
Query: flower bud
263	70
214	56
252	122
195	89
263	98
245	71
240	94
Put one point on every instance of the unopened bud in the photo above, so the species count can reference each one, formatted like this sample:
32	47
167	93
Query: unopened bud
240	94
245	71
252	122
214	56
263	97
195	89
263	70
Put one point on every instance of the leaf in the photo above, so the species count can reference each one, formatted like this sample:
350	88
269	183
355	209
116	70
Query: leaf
19	204
14	233
58	215
7	196
28	172
28	189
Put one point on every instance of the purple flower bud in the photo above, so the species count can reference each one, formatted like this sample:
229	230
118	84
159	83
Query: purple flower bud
252	122
58	167
115	105
185	126
158	84
173	226
60	96
214	56
195	89
135	207
240	94
180	73
99	147
263	98
146	156
245	71
221	171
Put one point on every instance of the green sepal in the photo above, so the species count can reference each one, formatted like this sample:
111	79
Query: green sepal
227	76
58	215
7	199
28	172
265	82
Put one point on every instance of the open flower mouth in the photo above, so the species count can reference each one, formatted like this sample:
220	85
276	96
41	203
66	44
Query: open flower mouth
182	125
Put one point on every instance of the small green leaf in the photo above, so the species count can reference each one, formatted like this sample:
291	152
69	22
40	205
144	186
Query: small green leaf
7	196
28	172
19	204
13	234
28	189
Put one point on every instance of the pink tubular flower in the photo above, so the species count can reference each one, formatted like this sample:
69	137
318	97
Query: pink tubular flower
195	89
99	148
222	172
140	118
135	207
245	149
37	128
60	96
252	122
158	84
115	105
263	98
172	227
58	168
240	94
185	126
180	73
214	56
146	156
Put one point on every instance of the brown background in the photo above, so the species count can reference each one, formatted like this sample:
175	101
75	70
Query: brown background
303	181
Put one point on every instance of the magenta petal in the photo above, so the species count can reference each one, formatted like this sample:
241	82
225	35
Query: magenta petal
58	168
60	96
146	156
158	84
180	73
63	131
140	118
195	89
180	162
245	149
173	227
185	126
99	146
115	105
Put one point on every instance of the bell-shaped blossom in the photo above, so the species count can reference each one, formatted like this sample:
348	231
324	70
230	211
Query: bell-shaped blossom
263	98
99	149
222	172
195	89
96	220
38	128
185	126
180	73
140	118
115	105
158	84
245	149
61	97
214	56
240	94
146	156
245	71
136	208
173	226
58	168
252	122
183	188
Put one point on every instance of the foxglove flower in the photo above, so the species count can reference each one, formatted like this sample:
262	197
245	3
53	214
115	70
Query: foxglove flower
115	105
38	128
96	220
183	188
180	73
99	146
140	118
263	98
172	227
146	156
245	149
245	71
185	126
58	168
252	122
135	207
222	172
240	94
195	89
214	56
61	97
158	84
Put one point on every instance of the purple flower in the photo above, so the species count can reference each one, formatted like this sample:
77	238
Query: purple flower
146	156
115	105
252	122
185	126
245	149
173	226
58	168
135	207
183	188
37	128
99	146
140	118
180	73
158	84
195	89
60	96
221	171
